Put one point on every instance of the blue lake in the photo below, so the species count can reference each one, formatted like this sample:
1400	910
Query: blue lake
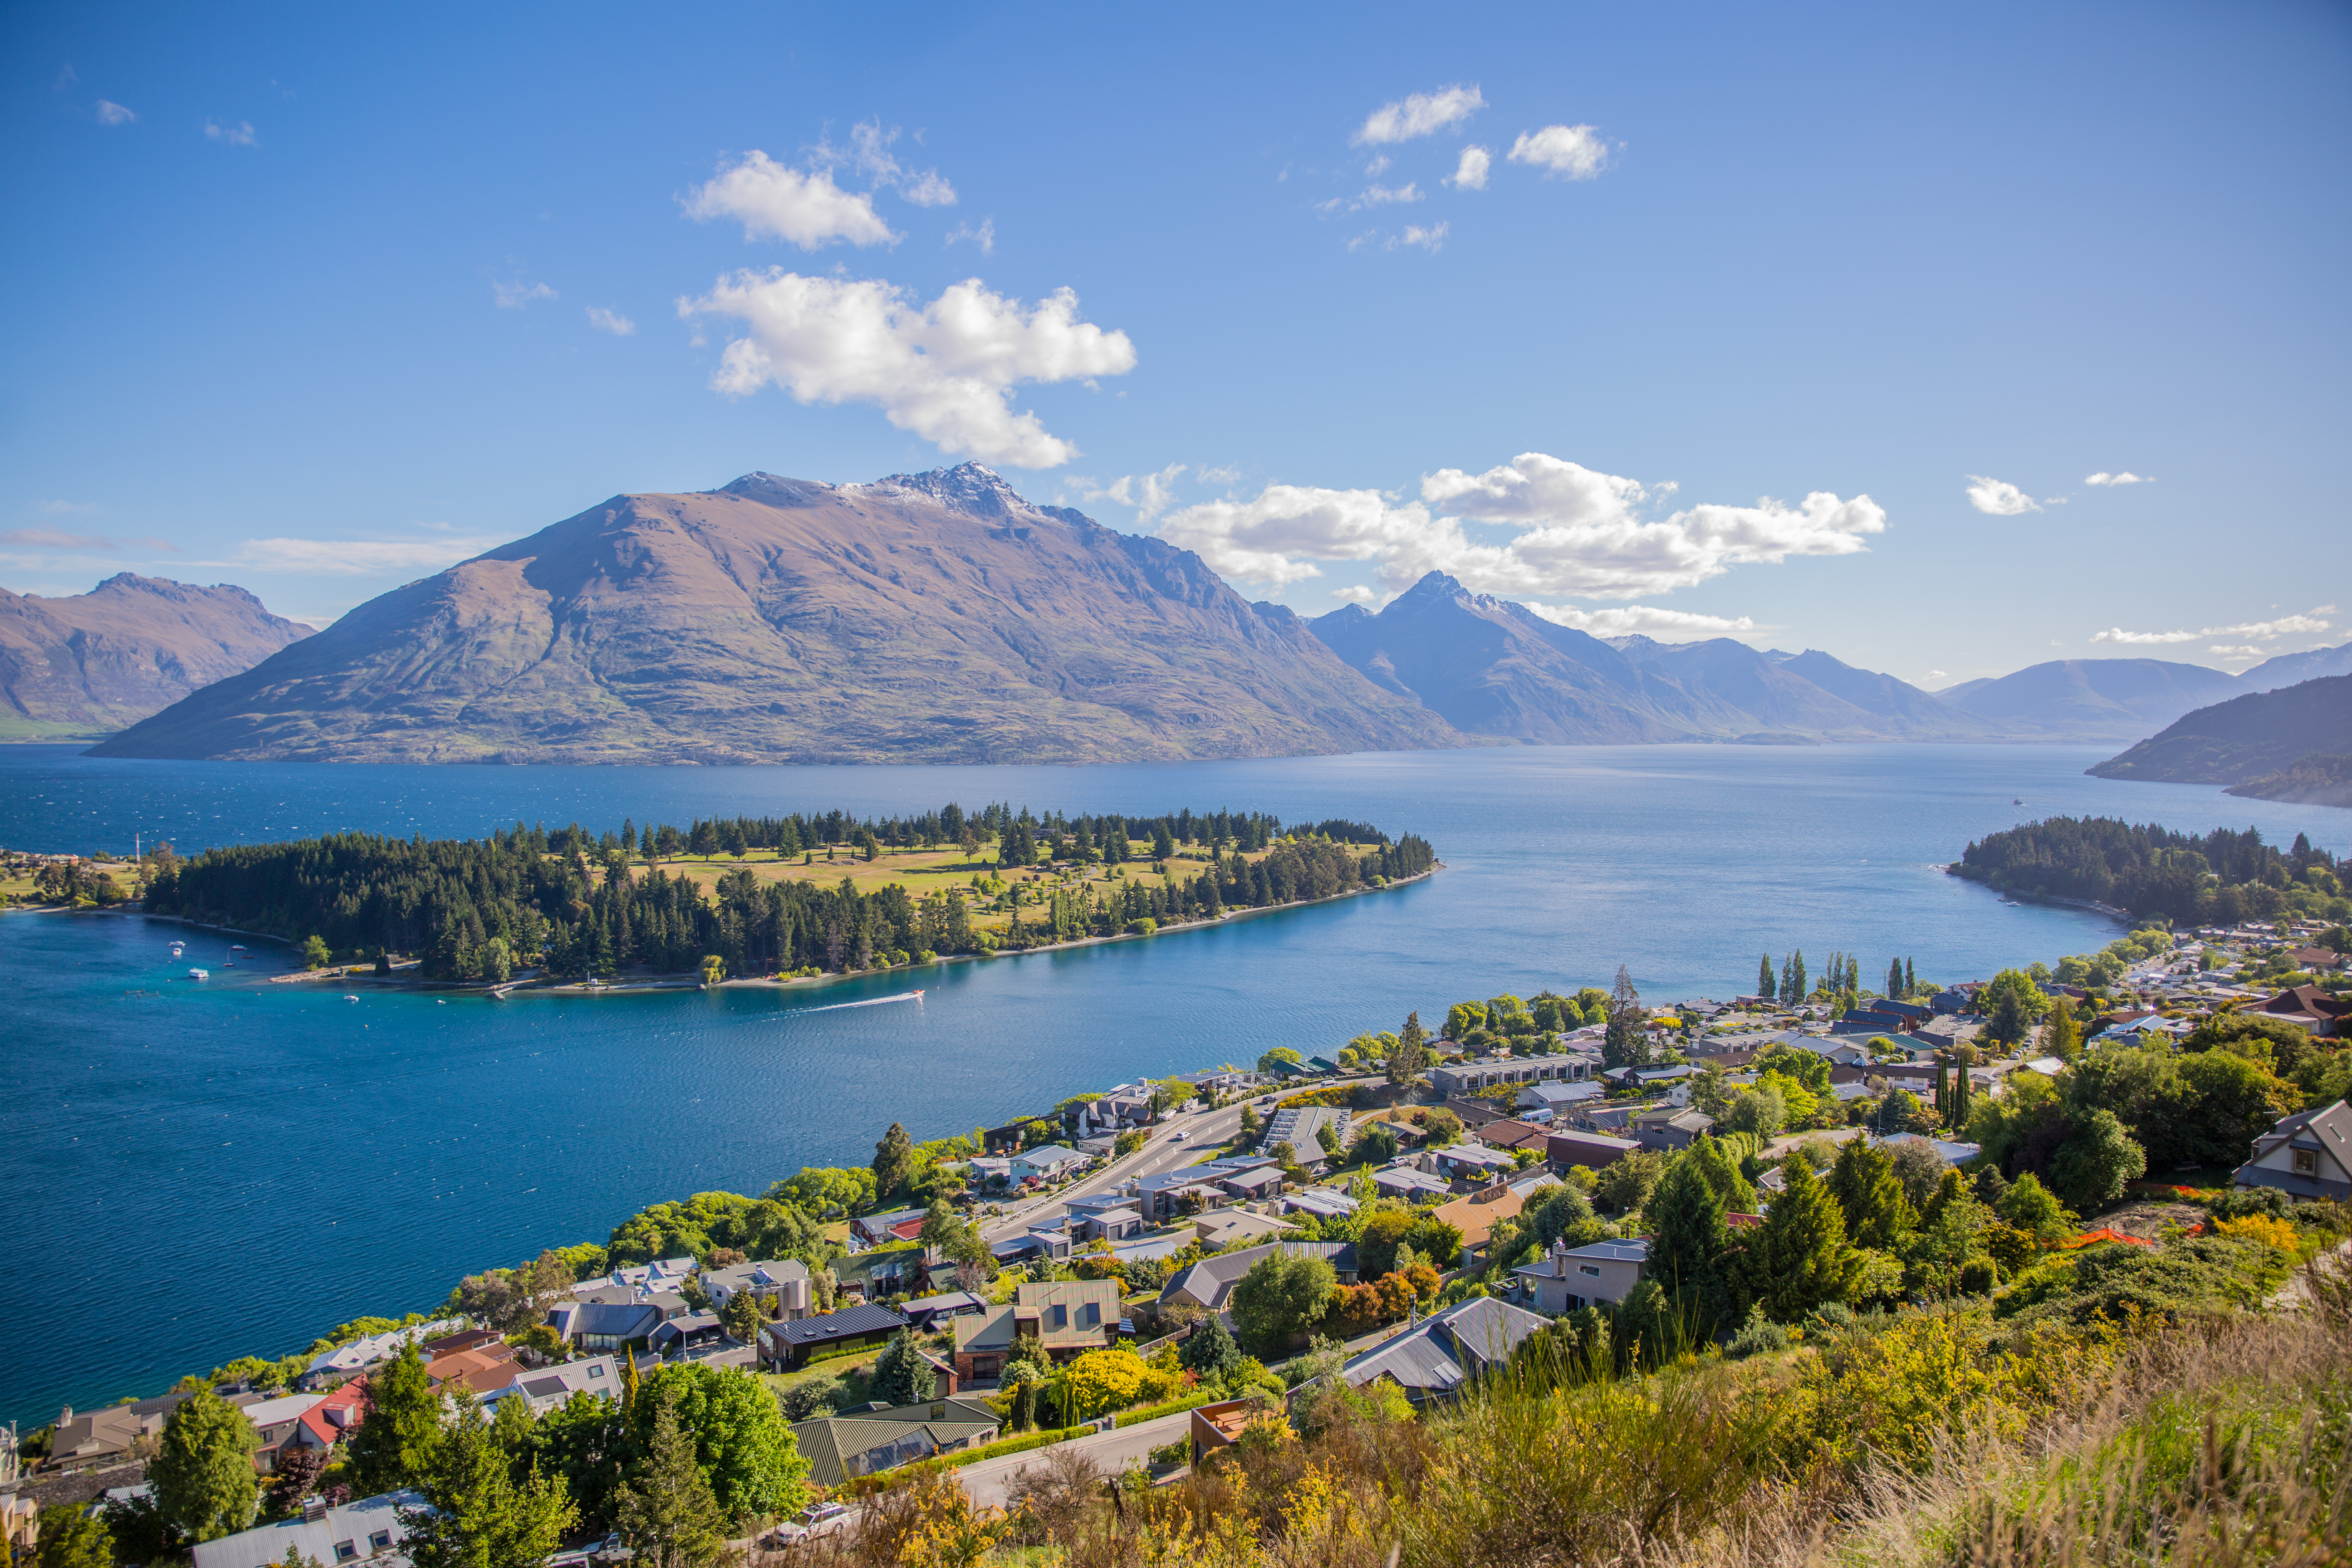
246	1165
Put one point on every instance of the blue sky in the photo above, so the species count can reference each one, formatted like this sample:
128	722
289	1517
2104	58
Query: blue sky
1812	326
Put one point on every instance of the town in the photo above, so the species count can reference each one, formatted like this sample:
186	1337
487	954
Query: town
1166	1280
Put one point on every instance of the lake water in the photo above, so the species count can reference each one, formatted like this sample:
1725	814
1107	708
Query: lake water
234	1167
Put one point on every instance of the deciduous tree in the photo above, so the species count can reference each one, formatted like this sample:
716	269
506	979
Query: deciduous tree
202	1474
1282	1295
395	1438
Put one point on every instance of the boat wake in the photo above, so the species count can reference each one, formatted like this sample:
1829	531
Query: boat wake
869	1002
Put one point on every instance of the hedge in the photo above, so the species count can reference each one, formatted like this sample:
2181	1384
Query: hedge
1172	1407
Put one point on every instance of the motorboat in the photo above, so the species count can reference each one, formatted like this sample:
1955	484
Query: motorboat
200	974
350	998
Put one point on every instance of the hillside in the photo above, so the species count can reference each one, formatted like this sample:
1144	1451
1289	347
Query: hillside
2092	698
932	617
2319	780
80	667
2247	738
2294	669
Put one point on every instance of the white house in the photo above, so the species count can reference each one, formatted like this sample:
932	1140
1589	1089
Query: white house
1047	1160
2308	1155
368	1531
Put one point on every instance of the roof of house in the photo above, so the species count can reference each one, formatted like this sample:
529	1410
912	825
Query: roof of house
355	1524
866	1318
987	1330
1211	1282
629	1322
1634	1251
1037	1301
949	1302
2329	1128
1442	1352
1476	1215
1223	1227
1512	1133
549	1386
830	1443
745	1276
1049	1154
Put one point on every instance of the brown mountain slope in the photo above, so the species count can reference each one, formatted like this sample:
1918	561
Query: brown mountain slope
933	617
84	665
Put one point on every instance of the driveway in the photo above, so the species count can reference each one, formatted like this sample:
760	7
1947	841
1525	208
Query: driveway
988	1483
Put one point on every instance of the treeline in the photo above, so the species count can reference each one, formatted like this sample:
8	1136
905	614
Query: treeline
474	908
2216	879
951	825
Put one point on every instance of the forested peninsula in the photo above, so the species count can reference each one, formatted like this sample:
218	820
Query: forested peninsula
2217	878
791	896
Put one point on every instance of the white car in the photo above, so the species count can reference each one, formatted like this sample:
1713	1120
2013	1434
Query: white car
818	1519
1176	1137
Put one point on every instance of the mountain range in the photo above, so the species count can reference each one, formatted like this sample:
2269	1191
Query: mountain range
932	617
2286	744
87	665
2092	699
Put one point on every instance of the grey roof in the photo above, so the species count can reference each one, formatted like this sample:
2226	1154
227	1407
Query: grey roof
866	1318
353	1521
1212	1280
1439	1355
610	1317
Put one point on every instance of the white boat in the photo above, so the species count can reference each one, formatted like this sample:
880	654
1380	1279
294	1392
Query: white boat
236	947
350	998
200	974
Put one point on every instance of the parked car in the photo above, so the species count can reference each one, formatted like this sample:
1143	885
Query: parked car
818	1519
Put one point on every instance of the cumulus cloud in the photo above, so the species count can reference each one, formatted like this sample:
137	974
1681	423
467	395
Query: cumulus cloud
780	203
945	371
1375	196
516	295
2227	652
356	557
1430	239
1569	152
1356	593
983	237
2286	625
1470	173
611	321
1936	675
1149	494
1420	114
1998	497
2103	478
238	135
1578	533
1649	620
869	153
115	114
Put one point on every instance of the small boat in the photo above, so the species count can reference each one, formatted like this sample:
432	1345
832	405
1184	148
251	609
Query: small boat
2018	801
200	974
236	947
350	998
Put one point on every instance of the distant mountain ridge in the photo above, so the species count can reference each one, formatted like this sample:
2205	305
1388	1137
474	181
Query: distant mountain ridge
2092	698
922	617
88	664
1492	666
2261	736
2294	669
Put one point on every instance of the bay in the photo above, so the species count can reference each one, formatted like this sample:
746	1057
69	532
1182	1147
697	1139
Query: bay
235	1167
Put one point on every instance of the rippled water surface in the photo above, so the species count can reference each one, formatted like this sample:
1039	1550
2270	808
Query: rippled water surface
231	1167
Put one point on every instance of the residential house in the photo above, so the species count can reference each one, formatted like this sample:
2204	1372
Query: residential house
1119	1224
2315	1010
1046	1162
276	1420
542	1389
1323	1202
594	1327
1209	1284
1434	1359
1067	1317
372	1350
20	1517
783	1287
1191	1188
1591	1150
1567	1278
882	1229
2308	1155
334	1419
840	1448
1951	1153
1552	1097
95	1437
787	1346
1469	1077
369	1531
1664	1130
1225	1226
926	1312
1477	1214
1301	1127
481	1368
894	1270
1469	1165
1404	1180
1243	1187
469	1339
1512	1134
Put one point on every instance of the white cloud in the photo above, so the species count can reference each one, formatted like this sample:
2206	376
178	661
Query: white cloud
945	371
1375	196
1571	151
2103	478
1470	173
1998	497
2286	625
1936	675
1420	114
1624	620
1355	593
2227	652
238	135
1431	239
113	113
1149	494
869	153
983	237
1579	532
355	557
1377	165
514	296
807	210
59	539
611	321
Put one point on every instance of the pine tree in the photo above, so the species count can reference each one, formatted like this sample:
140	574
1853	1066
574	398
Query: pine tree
1626	1043
1963	1092
1766	986
203	1473
900	1375
1687	1242
2063	1037
480	1518
1943	1090
1869	1195
404	1417
1910	979
628	1380
894	1161
1801	1247
1894	978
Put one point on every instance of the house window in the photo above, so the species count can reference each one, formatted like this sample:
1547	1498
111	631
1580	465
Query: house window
346	1550
596	1372
379	1542
1090	1315
2306	1162
1588	1268
1061	1317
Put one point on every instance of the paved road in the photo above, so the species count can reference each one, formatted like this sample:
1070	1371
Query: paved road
987	1482
1202	1128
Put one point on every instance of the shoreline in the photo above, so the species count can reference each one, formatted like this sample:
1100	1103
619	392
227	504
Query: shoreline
2120	916
690	980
